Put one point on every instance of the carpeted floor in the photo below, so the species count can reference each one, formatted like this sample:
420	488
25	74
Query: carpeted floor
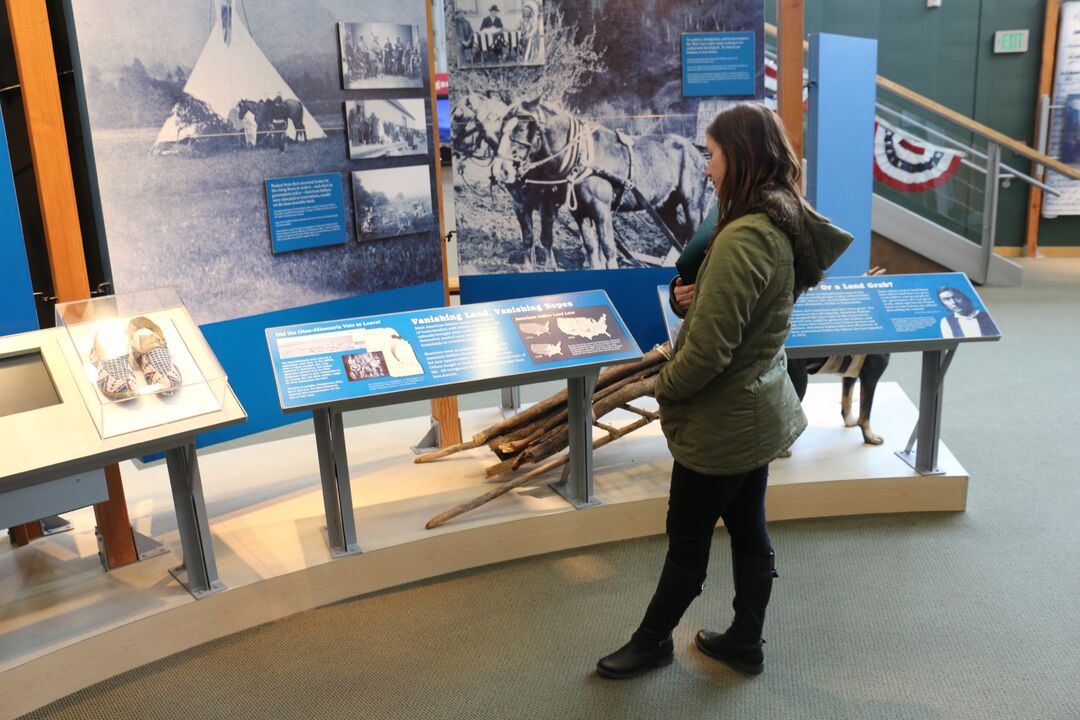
973	615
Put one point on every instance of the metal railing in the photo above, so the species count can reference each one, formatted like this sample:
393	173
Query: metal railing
967	204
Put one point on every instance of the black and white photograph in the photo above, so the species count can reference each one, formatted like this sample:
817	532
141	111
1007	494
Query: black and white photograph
189	111
381	55
392	201
965	318
364	366
386	128
593	161
497	34
1070	132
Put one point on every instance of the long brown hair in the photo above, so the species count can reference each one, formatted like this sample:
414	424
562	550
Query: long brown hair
760	162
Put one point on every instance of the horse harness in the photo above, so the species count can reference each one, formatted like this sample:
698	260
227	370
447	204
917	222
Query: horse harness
577	164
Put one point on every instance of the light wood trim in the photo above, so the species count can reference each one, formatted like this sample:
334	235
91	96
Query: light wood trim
33	46
32	41
114	524
1046	82
24	534
791	18
1044	251
965	122
444	410
1060	251
435	146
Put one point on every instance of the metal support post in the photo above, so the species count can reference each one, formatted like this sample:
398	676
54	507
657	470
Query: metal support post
336	488
927	433
511	398
990	207
576	484
199	572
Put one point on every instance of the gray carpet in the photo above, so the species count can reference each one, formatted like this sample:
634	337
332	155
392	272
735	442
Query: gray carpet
972	615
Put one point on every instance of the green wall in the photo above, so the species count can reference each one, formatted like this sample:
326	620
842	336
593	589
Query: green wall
947	55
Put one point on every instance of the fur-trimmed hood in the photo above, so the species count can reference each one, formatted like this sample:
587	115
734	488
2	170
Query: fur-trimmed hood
829	241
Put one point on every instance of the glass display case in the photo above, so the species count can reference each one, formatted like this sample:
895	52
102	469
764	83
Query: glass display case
139	360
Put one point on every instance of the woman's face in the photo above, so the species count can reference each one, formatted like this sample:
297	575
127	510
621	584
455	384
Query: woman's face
716	168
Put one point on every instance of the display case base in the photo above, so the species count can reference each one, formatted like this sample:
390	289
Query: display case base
68	625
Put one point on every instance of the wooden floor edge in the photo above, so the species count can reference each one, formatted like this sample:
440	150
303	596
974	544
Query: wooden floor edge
1044	250
77	666
1060	251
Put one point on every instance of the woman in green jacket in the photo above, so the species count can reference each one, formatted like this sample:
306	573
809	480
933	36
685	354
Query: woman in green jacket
727	407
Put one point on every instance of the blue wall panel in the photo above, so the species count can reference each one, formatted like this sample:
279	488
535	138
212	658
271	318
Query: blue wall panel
840	140
17	311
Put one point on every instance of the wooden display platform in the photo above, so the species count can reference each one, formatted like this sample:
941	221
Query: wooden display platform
65	624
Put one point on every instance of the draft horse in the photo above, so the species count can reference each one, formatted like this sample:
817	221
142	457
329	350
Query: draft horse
475	124
603	171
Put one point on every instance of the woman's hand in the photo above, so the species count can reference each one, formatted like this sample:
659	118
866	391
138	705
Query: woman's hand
684	293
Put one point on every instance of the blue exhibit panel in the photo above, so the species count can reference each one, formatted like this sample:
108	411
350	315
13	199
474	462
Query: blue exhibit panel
840	139
672	322
306	212
630	291
239	345
16	293
890	308
332	361
718	64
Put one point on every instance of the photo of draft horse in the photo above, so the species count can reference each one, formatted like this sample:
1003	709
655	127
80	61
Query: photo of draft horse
547	158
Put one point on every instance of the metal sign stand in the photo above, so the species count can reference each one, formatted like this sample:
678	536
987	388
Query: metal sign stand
337	491
576	485
199	572
927	433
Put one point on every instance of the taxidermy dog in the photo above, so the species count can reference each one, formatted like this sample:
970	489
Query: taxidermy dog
868	369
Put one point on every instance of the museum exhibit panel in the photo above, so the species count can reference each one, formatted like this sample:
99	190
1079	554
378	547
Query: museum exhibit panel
265	239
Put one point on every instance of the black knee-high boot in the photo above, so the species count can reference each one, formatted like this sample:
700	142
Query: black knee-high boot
651	645
753	587
741	644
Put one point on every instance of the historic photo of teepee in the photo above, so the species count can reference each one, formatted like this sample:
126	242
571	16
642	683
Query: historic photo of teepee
192	109
233	78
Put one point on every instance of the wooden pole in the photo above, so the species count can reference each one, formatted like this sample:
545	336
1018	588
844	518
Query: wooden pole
33	47
1046	84
790	17
444	409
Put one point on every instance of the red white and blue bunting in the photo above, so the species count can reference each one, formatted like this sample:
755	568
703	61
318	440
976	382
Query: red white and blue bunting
901	161
908	164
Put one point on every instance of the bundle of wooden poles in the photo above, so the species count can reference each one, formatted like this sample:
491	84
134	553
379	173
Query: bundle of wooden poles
534	435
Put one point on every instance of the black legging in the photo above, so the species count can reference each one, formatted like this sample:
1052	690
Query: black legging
697	501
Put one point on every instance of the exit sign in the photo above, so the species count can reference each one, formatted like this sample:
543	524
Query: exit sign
1010	41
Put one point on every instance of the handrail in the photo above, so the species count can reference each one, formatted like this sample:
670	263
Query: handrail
968	150
966	122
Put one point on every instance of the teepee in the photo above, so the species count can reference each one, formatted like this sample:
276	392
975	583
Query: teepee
230	68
